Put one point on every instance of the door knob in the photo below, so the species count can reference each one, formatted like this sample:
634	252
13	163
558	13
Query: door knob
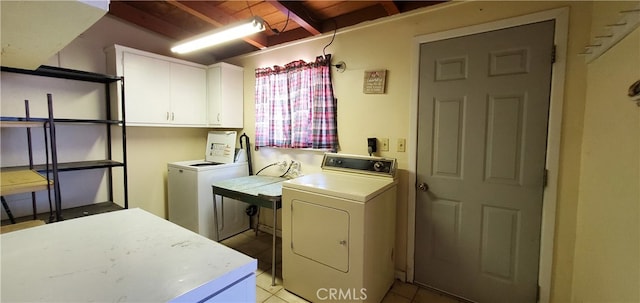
423	186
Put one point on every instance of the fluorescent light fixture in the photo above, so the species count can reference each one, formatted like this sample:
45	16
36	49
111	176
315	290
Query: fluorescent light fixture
220	35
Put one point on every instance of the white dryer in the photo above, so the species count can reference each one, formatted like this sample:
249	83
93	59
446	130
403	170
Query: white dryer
338	230
190	196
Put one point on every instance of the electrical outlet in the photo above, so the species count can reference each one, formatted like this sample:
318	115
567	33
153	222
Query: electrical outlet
401	144
384	144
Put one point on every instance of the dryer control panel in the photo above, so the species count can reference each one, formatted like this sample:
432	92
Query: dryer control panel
360	164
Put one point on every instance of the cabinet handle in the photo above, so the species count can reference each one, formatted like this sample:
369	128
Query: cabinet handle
173	116
218	117
167	116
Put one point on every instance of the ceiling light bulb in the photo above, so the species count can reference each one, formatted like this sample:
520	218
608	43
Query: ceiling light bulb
220	35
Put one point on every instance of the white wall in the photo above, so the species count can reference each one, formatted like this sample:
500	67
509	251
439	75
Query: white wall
607	253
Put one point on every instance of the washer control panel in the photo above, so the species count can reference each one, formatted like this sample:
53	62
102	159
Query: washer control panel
360	164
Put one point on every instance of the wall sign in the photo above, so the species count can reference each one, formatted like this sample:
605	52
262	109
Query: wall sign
374	81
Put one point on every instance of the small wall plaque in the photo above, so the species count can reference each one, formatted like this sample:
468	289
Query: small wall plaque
374	81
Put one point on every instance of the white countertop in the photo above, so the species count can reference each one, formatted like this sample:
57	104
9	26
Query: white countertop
122	256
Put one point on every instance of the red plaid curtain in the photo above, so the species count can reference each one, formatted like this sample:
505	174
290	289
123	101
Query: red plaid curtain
295	107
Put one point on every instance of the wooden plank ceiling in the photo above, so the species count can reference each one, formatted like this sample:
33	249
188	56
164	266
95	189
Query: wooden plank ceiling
286	20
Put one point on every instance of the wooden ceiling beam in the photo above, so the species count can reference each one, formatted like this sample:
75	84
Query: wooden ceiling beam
288	36
141	18
405	6
216	17
390	7
298	14
204	12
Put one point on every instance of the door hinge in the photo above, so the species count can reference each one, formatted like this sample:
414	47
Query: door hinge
553	54
545	178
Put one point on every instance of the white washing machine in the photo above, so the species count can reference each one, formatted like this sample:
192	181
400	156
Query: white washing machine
190	196
338	230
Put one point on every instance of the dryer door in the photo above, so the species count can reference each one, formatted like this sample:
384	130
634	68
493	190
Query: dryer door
320	233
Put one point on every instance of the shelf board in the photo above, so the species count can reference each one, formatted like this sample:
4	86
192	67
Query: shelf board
72	213
22	225
80	165
16	181
39	122
64	73
62	120
70	166
20	123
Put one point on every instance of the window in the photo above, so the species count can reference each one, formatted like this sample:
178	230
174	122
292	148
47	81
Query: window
295	107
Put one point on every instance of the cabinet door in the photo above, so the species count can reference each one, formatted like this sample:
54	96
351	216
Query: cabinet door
188	95
147	89
232	96
214	97
225	96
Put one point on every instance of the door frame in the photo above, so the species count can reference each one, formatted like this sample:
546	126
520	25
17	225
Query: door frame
561	18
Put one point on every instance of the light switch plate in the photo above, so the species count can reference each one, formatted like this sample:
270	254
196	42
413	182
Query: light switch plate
384	144
401	144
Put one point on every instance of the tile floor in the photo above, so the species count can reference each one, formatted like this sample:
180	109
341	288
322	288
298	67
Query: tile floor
259	247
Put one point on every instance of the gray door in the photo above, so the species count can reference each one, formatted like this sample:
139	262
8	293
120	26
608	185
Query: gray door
482	127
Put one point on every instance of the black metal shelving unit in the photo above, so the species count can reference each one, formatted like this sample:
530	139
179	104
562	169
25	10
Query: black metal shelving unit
108	163
16	180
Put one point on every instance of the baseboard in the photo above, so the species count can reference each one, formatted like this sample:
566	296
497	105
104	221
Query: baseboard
269	230
401	275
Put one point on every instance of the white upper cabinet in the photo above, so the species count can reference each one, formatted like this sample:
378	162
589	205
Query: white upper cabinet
164	91
225	95
147	88
160	91
188	95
